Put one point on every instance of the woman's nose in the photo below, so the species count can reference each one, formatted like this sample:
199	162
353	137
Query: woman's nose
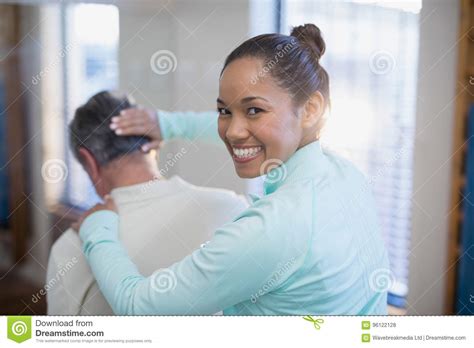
237	129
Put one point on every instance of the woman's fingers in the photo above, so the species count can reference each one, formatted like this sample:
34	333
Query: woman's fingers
135	130
108	204
125	122
152	145
133	112
136	122
142	115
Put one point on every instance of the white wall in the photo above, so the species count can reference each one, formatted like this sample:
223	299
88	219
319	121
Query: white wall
432	158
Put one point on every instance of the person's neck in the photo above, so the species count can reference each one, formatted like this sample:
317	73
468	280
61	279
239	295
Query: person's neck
131	170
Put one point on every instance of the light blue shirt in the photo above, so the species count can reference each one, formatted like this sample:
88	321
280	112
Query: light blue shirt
310	245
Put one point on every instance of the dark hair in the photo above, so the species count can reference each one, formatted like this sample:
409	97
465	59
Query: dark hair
292	61
90	128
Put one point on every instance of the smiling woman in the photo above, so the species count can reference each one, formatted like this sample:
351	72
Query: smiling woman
317	215
252	127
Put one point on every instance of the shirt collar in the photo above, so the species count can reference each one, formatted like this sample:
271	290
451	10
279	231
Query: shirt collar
150	189
306	162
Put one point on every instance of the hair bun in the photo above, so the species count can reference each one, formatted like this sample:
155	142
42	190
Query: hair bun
310	35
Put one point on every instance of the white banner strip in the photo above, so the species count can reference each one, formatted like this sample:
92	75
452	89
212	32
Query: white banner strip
242	332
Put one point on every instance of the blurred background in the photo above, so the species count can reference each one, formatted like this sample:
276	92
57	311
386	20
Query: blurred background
402	85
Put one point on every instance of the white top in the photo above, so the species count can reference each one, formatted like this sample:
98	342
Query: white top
161	222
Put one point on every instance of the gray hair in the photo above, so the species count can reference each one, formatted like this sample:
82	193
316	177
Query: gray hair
90	128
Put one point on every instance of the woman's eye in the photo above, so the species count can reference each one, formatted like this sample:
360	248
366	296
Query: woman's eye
223	111
254	111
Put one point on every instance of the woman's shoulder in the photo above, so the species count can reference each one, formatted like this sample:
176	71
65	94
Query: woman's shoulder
284	212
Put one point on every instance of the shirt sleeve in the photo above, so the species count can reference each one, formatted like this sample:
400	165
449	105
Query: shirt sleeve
190	125
239	260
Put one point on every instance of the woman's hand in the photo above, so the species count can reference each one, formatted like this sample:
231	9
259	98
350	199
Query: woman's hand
138	121
108	204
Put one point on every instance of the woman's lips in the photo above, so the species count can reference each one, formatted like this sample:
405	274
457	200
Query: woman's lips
243	154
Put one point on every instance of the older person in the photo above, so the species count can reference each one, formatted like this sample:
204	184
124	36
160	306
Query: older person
187	217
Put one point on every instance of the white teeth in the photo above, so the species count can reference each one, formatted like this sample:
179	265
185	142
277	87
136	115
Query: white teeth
246	153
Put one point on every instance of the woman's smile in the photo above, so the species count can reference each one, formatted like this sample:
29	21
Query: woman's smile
246	153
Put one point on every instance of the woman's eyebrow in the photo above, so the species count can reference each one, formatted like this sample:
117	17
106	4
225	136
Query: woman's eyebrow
248	99
243	100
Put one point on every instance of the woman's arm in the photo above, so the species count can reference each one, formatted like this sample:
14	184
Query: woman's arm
189	125
163	125
241	257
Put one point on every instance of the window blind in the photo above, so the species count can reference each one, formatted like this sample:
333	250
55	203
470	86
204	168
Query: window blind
371	57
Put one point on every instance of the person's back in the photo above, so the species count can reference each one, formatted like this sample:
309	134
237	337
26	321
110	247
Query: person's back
156	215
185	217
343	266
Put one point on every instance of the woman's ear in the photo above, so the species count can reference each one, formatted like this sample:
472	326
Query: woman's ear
90	164
313	111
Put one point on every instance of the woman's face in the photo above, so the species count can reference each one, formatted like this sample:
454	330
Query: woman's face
257	119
